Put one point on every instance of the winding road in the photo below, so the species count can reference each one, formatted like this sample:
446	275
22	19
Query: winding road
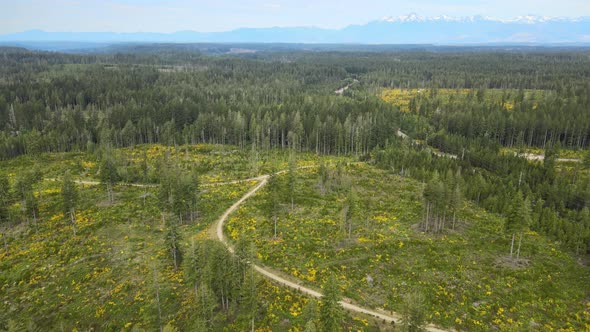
217	232
268	273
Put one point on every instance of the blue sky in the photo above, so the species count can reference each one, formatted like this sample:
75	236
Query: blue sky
222	15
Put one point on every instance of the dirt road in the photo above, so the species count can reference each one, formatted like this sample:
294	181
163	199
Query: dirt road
268	273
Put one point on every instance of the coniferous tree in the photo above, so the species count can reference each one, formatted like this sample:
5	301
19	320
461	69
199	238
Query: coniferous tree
245	252
69	192
324	177
586	160
331	312
310	314
172	242
194	194
413	312
4	198
109	176
272	202
456	202
249	297
253	159
206	304
24	191
518	218
292	179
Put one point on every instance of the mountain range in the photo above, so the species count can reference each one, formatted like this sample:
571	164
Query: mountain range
407	29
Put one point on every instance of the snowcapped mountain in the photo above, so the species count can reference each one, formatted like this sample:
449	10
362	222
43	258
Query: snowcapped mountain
525	19
413	28
413	17
406	29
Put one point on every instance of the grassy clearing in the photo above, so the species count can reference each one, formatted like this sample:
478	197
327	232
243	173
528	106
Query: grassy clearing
462	273
105	277
407	99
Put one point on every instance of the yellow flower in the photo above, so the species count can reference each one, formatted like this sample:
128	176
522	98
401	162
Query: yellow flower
99	312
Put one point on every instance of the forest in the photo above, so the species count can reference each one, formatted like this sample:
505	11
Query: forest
367	157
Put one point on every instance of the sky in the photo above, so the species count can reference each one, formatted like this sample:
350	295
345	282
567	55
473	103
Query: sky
224	15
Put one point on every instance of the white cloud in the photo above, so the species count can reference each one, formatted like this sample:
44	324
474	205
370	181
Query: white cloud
272	5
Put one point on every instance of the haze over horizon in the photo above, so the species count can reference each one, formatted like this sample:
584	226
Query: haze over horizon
124	16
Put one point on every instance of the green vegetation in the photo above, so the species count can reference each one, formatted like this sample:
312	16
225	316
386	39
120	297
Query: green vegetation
115	168
86	262
465	270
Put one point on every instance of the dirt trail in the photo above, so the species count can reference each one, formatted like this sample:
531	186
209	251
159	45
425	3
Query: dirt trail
217	231
540	157
145	185
96	183
341	90
527	156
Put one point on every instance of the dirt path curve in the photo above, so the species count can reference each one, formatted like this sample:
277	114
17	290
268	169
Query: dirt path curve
96	183
218	227
145	185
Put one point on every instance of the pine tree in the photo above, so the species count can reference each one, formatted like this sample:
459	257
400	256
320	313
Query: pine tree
206	303
69	194
194	194
292	179
172	242
109	176
4	197
324	177
144	167
456	202
309	313
331	312
253	160
413	312
183	193
435	196
249	297
586	160
272	202
245	254
24	191
518	218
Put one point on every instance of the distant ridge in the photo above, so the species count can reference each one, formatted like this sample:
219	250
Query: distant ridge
407	29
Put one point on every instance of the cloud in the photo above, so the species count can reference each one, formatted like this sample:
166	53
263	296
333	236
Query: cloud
272	5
